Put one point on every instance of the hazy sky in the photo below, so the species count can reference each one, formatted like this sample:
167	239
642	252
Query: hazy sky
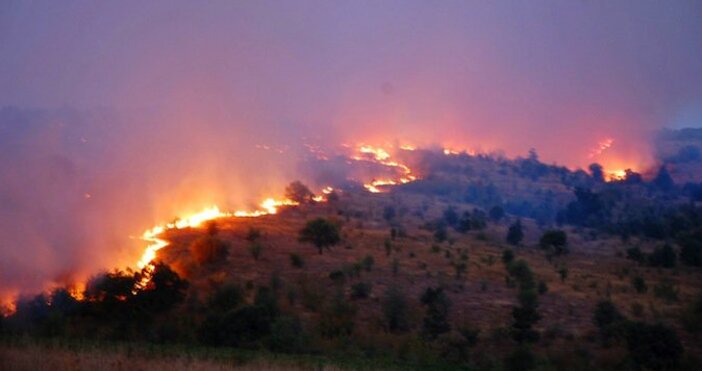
190	87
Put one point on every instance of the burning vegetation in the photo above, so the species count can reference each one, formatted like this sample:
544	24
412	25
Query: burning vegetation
412	258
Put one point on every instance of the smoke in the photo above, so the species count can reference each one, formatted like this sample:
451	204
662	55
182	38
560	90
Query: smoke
174	103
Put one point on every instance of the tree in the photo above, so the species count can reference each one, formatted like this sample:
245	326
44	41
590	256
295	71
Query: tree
321	233
554	242
451	216
395	310
663	180
525	316
497	213
515	234
608	320
298	192
507	256
164	290
597	172
389	213
435	320
654	347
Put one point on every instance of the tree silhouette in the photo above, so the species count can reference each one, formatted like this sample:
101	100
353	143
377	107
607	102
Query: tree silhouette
321	233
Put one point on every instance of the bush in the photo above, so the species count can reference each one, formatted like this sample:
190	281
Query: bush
367	263
635	254
507	256
654	347
555	242
639	284
253	234
361	290
608	320
298	192
515	234
256	249
337	318
666	290
663	257
286	335
296	260
521	359
209	249
395	310
435	320
226	298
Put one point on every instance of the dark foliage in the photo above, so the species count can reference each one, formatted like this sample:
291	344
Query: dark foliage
321	233
654	347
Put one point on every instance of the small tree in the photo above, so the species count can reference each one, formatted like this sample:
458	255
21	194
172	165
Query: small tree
608	320
497	213
256	249
515	234
395	310
451	216
298	192
554	242
209	249
435	320
321	233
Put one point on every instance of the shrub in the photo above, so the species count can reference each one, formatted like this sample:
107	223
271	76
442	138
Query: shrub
361	290
663	257
608	320
226	298
337	276
253	234
635	254
521	359
256	249
666	290
298	192
555	242
209	249
654	347
286	335
435	320
639	284
515	234
395	310
368	262
296	260
337	318
507	256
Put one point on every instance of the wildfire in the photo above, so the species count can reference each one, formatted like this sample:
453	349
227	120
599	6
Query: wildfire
382	156
614	175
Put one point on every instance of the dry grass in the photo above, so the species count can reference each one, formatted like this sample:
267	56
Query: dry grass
43	358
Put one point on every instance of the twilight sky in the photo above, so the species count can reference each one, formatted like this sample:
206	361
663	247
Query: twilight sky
137	106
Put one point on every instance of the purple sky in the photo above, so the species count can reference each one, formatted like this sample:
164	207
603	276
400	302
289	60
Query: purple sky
190	88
